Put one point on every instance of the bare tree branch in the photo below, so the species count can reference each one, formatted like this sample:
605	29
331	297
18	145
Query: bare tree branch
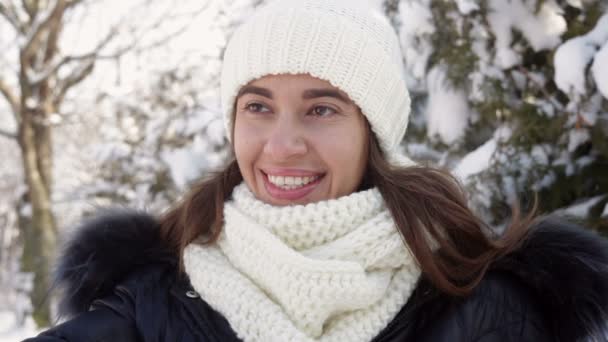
9	13
77	76
164	39
53	66
10	97
31	8
96	52
39	25
157	24
74	3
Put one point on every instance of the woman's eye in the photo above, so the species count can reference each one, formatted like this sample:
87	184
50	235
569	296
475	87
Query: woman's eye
256	108
323	111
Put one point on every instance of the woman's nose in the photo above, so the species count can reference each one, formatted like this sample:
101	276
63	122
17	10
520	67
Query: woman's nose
286	140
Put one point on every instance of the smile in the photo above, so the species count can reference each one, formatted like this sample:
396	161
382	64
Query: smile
290	182
291	188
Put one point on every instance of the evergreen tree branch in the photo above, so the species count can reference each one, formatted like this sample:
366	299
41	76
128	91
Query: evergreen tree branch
541	87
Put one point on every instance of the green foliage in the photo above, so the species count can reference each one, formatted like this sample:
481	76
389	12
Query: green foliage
452	43
581	22
535	127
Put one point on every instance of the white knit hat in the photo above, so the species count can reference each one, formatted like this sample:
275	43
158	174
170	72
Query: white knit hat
348	43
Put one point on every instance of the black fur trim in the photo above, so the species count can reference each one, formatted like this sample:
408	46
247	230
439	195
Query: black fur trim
102	252
567	267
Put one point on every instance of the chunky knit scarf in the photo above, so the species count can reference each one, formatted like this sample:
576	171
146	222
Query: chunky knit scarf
335	270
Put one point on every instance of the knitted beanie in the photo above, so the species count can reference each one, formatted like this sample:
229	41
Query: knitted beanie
348	43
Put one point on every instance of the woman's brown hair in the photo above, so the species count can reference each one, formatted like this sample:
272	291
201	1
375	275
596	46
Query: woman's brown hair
453	247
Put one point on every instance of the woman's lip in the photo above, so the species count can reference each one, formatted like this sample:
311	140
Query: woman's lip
291	195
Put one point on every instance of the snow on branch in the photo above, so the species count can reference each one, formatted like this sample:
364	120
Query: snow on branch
35	78
599	69
75	77
541	30
572	58
8	134
10	97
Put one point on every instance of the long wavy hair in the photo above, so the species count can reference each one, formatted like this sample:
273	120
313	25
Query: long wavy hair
453	247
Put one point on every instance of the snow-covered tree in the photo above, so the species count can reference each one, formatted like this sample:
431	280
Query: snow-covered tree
39	67
511	96
164	131
164	135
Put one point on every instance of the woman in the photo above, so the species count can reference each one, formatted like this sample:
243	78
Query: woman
320	230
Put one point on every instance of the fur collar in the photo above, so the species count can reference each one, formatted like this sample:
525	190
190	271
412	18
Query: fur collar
102	251
565	265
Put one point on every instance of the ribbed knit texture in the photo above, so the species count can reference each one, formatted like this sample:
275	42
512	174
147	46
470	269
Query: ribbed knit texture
348	43
335	270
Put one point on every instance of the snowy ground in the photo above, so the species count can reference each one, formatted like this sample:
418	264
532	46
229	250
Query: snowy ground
10	332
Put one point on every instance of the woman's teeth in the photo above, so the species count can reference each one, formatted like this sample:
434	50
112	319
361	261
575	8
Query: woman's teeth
290	183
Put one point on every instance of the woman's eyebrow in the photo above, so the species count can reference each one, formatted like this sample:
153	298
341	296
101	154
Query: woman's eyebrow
325	92
249	89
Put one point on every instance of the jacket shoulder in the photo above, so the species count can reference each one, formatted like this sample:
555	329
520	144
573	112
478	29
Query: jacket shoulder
501	308
105	250
566	268
553	287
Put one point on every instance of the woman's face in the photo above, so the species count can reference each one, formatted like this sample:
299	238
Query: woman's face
298	140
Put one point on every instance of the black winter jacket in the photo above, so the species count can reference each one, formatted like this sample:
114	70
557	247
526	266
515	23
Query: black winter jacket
121	284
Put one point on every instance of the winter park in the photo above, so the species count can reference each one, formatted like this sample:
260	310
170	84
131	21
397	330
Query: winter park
115	104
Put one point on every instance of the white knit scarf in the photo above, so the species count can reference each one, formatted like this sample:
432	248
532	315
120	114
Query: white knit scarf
335	270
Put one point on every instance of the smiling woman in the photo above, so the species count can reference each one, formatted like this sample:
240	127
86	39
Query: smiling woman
298	139
319	228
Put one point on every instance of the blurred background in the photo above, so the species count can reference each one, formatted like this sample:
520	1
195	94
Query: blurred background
116	103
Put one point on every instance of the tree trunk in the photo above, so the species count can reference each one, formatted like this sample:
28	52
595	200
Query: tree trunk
39	233
39	236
